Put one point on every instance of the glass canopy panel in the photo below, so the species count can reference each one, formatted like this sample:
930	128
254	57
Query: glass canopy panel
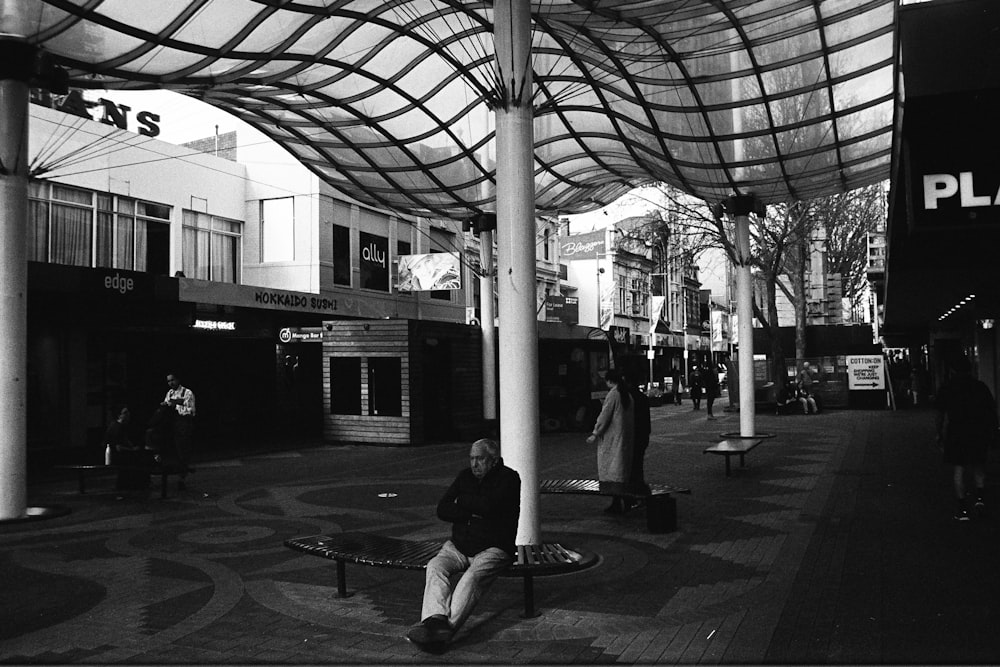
643	89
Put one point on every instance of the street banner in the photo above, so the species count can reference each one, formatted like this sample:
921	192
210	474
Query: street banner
865	372
656	307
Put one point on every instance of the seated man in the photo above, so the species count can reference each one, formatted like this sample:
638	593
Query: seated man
482	504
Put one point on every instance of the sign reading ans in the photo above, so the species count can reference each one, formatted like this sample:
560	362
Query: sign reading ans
865	372
582	246
562	309
374	262
436	271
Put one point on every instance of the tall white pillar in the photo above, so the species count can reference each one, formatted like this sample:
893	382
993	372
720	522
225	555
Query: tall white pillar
487	316
520	424
744	311
13	272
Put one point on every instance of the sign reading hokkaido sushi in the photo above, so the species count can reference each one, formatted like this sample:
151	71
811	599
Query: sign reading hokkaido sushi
436	271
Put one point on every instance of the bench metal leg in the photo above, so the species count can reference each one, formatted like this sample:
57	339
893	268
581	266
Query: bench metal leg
727	465
163	486
741	460
342	580
529	598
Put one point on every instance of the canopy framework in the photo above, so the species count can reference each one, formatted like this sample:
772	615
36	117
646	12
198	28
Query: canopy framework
392	102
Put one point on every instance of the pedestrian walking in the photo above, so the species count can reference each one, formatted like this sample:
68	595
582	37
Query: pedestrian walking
614	432
967	426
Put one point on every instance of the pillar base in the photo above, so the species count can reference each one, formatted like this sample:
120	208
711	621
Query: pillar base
38	514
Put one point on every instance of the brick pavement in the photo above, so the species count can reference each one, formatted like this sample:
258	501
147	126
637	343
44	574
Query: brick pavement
833	545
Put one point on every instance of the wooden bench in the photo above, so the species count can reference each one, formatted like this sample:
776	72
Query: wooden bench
661	506
161	471
393	552
733	446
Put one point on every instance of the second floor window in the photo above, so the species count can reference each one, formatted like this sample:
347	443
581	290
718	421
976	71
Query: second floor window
211	247
75	226
277	230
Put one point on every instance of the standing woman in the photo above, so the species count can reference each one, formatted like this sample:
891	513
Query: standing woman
613	431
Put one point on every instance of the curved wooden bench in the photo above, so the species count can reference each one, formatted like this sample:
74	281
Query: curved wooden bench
661	507
163	471
382	551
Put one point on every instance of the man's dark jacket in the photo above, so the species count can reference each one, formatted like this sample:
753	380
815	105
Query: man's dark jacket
483	513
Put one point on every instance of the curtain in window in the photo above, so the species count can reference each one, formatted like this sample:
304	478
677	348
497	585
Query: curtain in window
141	245
196	254
125	242
38	231
224	258
71	235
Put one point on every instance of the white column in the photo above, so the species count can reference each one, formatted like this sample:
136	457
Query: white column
744	310
520	428
13	284
487	317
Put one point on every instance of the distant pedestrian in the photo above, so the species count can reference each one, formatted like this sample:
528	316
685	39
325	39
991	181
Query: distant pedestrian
614	432
675	380
182	400
711	381
695	385
967	426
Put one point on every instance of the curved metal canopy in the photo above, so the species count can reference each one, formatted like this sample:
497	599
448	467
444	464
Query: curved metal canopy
391	101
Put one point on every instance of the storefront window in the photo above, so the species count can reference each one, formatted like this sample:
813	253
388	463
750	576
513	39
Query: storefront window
341	255
277	223
211	247
80	227
374	261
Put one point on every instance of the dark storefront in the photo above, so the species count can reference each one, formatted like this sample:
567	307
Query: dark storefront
99	338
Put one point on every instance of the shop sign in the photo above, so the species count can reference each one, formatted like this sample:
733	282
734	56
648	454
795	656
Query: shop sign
618	334
118	284
562	309
214	325
301	335
582	246
373	262
865	372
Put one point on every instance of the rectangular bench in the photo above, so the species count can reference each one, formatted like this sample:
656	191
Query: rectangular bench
163	472
661	506
381	551
731	447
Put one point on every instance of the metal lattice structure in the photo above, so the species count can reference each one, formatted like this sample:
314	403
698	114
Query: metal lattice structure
391	101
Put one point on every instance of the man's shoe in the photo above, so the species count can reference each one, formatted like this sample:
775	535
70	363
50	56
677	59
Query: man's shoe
419	634
439	630
962	515
980	507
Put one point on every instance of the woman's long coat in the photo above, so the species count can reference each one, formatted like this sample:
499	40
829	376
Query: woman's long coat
614	428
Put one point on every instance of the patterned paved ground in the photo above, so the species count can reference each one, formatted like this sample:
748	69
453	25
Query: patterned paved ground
833	545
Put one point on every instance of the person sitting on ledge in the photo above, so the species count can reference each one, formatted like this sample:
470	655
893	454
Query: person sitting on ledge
482	505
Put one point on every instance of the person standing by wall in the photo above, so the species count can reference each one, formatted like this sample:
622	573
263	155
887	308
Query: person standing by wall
125	454
181	399
967	426
614	432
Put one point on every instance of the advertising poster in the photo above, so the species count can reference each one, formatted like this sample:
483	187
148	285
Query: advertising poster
436	271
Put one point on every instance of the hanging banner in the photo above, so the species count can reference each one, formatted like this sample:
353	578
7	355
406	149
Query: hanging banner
608	304
656	307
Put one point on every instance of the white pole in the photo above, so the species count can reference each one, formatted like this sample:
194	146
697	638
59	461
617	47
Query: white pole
13	274
487	316
520	426
744	309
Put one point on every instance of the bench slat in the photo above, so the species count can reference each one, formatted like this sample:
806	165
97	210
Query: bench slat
593	487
